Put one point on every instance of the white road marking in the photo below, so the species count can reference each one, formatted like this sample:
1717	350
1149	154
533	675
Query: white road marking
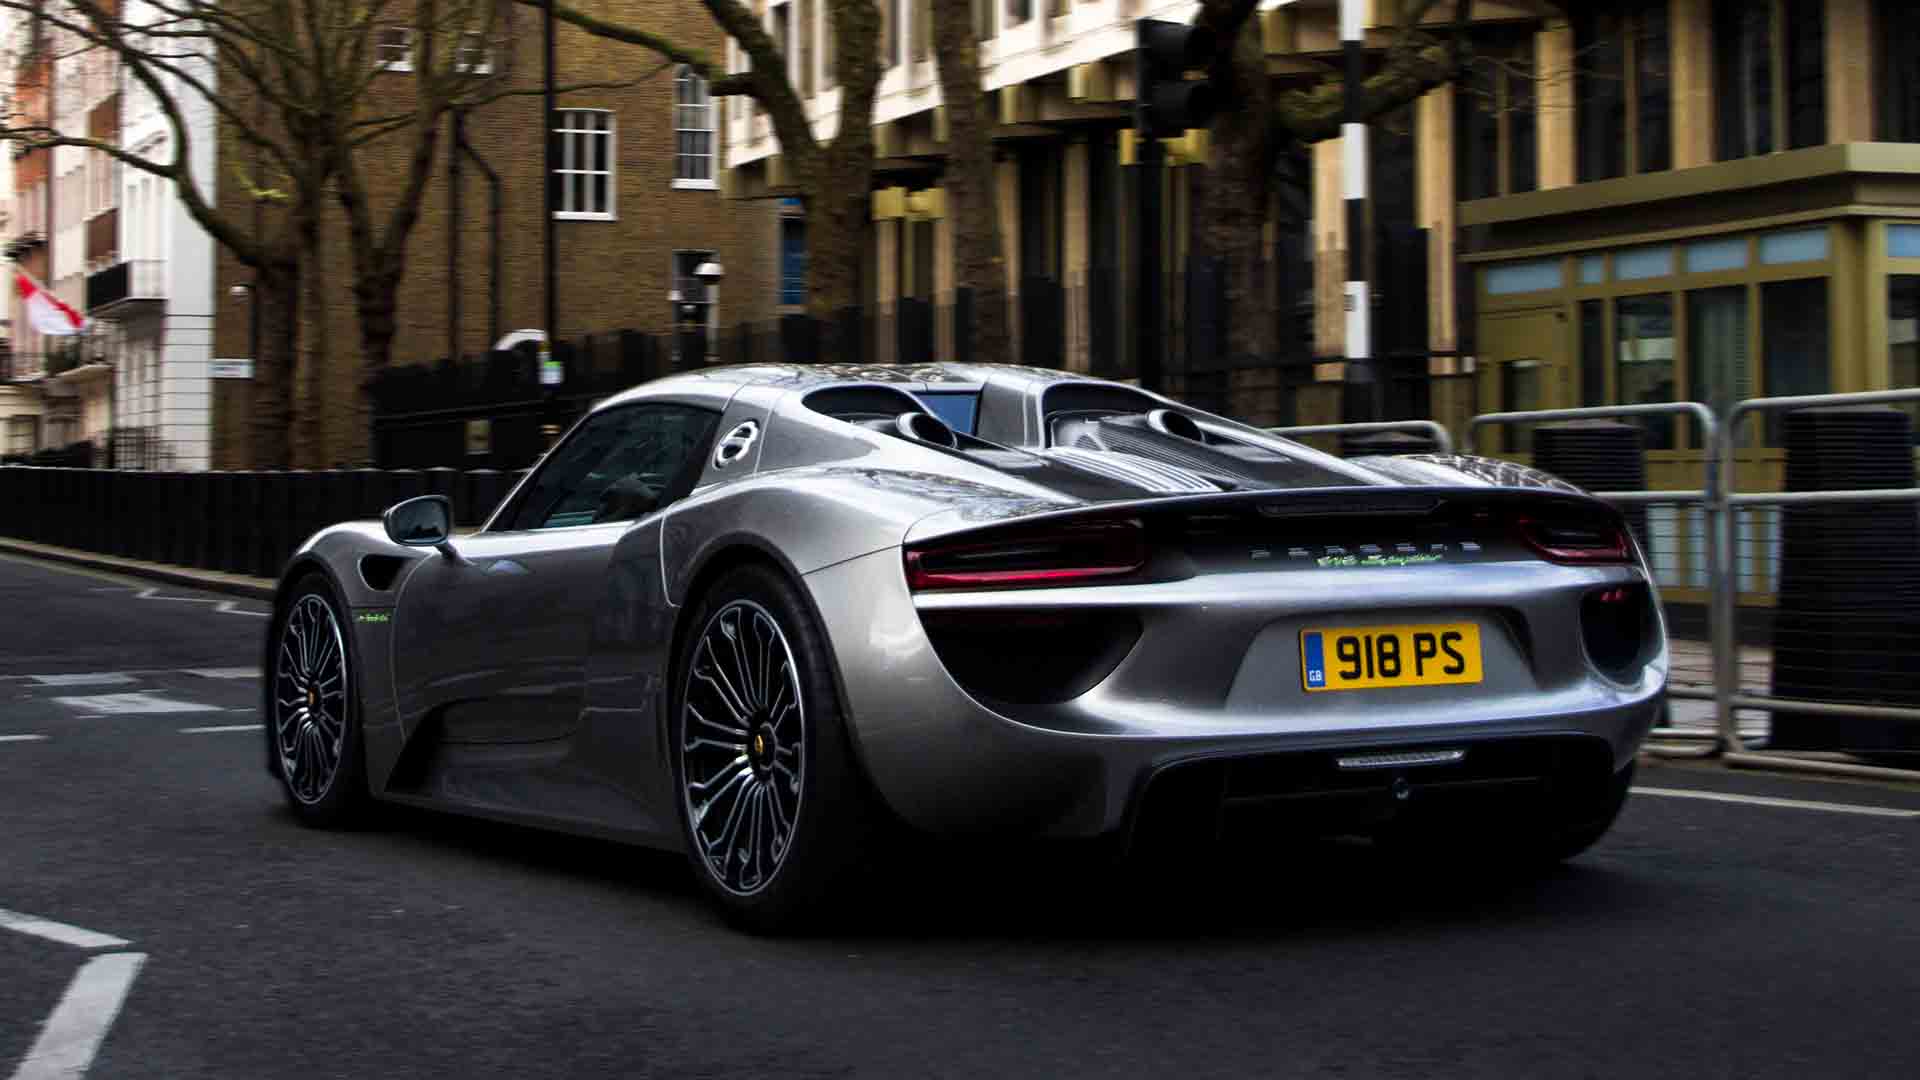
224	672
1789	804
152	592
73	1034
132	704
220	728
56	932
21	738
90	678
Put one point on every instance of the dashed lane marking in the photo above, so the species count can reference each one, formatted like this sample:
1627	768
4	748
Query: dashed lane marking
85	678
220	728
152	592
1788	804
22	738
57	932
71	1037
224	672
133	704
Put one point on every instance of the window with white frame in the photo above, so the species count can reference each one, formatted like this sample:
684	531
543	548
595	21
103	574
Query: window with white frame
473	56
693	124
393	48
583	180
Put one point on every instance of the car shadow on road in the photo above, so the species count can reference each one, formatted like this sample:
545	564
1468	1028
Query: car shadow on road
1302	889
928	889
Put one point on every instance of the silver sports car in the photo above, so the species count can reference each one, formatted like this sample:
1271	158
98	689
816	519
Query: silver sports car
757	614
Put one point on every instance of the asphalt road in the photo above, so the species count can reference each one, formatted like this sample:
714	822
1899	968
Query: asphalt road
1702	938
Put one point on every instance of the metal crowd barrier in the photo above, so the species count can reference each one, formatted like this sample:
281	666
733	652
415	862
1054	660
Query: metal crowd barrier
1442	440
1718	566
1724	600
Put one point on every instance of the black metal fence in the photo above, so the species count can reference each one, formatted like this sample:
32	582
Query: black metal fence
494	411
236	522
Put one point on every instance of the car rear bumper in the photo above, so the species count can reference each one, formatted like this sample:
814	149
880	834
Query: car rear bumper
948	763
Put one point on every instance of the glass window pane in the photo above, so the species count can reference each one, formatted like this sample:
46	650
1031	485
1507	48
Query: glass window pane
1524	277
1643	356
1794	326
1903	337
1896	28
1593	352
1903	241
1600	110
1651	64
1743	77
1593	269
1639	264
1805	39
600	205
1718	370
1801	245
1709	255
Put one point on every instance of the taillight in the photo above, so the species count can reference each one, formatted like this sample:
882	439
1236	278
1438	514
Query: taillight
1584	542
1062	555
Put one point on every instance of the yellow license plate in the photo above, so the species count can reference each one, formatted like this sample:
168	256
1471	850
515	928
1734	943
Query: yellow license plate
1370	657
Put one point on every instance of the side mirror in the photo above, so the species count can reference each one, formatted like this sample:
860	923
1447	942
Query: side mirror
426	521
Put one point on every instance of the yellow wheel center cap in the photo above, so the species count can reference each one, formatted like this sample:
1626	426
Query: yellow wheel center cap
313	698
760	745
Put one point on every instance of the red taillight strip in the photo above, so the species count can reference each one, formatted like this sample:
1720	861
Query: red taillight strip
1120	549
1617	550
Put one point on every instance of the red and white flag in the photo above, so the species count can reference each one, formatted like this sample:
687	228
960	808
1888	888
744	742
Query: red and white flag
48	313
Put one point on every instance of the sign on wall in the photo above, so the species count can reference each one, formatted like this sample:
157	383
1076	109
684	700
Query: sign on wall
231	369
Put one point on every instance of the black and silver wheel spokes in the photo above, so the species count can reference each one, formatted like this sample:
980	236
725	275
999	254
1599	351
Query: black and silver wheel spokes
743	730
310	699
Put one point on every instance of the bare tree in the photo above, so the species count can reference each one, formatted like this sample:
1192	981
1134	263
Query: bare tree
1262	122
833	177
980	262
293	93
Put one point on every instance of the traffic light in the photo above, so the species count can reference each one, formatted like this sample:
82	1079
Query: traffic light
1168	102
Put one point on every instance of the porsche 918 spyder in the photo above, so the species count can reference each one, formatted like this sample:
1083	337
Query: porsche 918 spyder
749	613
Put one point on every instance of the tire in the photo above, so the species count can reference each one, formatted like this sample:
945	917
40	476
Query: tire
759	741
1544	836
313	710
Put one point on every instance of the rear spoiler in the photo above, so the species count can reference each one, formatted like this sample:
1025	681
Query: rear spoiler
1275	506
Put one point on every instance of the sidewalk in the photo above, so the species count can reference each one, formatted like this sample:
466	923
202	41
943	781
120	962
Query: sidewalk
1693	669
254	588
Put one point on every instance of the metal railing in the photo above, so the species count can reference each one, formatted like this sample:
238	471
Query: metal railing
1442	440
1718	505
1724	599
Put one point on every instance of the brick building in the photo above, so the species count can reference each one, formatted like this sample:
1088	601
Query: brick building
635	214
1616	177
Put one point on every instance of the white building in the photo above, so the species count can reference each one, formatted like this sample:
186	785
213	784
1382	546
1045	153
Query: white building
157	293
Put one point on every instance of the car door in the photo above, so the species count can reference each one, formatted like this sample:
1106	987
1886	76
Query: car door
492	642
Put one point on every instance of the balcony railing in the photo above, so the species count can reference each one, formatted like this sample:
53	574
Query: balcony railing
126	287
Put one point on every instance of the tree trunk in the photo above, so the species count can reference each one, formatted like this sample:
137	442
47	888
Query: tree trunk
377	329
1237	196
270	430
836	182
979	259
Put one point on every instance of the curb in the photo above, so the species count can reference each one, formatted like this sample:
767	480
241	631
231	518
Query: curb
209	581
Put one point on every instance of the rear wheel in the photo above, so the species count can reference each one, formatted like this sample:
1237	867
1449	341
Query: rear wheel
312	712
774	812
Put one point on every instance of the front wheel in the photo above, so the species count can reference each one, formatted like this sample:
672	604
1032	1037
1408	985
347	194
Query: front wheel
774	812
313	718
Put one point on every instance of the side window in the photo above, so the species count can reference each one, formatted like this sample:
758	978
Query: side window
622	464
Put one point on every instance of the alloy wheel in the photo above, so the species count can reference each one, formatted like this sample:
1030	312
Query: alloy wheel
310	699
742	746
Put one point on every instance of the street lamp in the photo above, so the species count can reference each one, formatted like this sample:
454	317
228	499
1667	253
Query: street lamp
693	338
